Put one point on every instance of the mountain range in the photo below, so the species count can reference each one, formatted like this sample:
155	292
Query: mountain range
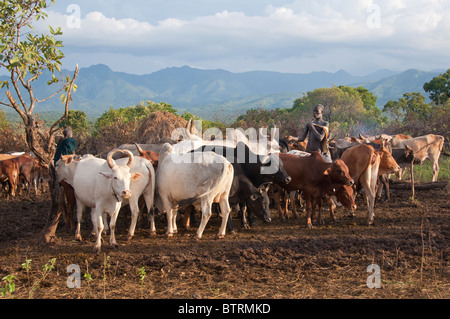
214	94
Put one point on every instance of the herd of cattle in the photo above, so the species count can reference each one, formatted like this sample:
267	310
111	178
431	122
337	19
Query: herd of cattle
195	174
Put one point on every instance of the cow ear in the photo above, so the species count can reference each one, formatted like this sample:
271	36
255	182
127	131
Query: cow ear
136	176
327	172
106	174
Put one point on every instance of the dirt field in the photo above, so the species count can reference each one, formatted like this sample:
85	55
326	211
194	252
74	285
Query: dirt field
409	242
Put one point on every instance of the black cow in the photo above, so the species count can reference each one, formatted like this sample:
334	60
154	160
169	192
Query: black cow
250	200
258	171
250	180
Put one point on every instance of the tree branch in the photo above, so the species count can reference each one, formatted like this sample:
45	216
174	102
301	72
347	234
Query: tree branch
54	127
48	98
16	107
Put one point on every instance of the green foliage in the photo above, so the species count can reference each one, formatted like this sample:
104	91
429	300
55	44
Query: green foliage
32	53
410	107
77	121
439	88
9	286
4	124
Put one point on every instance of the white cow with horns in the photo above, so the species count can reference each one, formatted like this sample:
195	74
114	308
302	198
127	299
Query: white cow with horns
99	184
198	179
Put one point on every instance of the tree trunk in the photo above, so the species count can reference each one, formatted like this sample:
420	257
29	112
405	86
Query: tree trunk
56	208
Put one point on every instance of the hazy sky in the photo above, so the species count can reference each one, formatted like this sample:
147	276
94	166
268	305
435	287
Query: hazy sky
359	36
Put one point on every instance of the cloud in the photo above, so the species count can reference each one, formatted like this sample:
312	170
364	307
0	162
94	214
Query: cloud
306	33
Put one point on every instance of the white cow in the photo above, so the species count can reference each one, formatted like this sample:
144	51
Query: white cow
99	184
198	179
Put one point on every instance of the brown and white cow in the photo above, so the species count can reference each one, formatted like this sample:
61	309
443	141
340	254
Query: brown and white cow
315	177
365	165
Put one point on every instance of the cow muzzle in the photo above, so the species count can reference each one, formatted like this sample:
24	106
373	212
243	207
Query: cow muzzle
126	194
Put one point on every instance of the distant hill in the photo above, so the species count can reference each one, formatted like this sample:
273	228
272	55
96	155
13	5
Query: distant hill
217	93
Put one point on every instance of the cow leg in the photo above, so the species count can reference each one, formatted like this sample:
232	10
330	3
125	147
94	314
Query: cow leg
80	208
206	214
293	204
435	162
174	220
370	194
112	226
277	201
105	224
320	219
169	213
97	221
134	208
308	211
332	207
384	182
69	195
151	217
230	223
225	208
187	217
244	219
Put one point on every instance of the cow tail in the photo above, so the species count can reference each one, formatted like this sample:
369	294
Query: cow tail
441	147
372	159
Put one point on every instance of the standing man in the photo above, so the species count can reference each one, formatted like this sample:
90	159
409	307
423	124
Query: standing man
317	133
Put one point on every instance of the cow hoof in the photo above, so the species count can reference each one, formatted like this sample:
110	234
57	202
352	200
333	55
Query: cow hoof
219	237
153	233
115	245
197	238
129	238
169	235
309	226
97	250
79	239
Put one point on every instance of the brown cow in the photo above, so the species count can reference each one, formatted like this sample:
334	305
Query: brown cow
343	196
315	178
9	171
365	165
153	157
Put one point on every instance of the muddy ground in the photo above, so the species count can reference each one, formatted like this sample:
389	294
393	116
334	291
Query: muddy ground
409	242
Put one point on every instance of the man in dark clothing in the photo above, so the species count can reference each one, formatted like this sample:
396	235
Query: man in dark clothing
66	146
317	132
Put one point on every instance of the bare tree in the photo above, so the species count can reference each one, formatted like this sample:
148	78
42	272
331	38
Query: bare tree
26	54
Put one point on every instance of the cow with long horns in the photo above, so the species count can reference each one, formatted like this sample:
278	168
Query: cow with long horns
99	184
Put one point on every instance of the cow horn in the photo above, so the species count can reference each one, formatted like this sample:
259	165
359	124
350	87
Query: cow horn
264	185
130	156
140	150
110	160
